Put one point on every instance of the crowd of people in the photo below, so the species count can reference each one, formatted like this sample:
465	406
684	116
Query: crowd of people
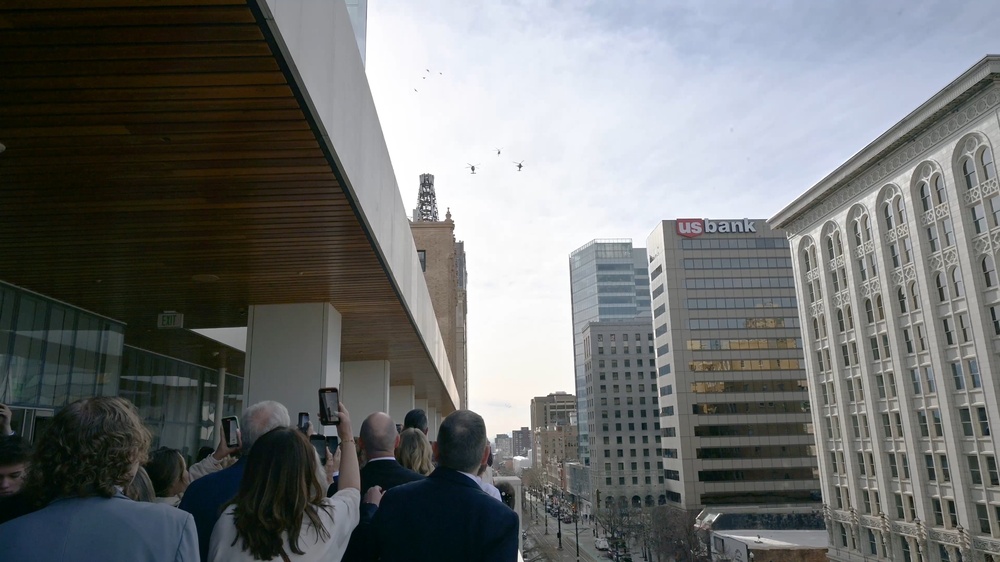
90	489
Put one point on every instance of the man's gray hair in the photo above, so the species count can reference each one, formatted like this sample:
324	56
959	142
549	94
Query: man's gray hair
261	418
462	441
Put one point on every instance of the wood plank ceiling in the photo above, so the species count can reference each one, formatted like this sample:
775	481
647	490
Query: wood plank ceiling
150	144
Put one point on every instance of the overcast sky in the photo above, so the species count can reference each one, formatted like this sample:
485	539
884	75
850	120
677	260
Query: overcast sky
626	113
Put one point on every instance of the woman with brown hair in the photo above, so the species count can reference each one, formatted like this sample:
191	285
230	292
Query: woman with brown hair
414	451
281	510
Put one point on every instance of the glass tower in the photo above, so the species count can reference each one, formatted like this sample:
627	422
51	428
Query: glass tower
609	281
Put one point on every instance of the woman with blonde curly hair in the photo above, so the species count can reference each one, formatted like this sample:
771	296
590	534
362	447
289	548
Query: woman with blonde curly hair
90	451
414	451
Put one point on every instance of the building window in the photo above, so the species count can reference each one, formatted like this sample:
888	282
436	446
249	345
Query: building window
969	173
984	421
422	256
974	377
989	271
942	287
957	283
965	416
974	472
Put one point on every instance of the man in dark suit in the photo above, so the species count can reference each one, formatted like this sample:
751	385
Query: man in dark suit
378	440
207	496
447	517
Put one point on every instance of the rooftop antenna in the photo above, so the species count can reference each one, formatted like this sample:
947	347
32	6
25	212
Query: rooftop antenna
427	209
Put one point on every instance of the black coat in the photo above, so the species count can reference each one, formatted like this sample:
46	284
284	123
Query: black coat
446	517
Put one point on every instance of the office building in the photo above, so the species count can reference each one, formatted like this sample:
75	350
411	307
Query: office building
552	410
610	299
442	259
521	441
734	405
504	446
894	256
625	465
258	198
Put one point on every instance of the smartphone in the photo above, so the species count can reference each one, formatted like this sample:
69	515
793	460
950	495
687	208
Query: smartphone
320	443
304	421
329	406
332	441
230	428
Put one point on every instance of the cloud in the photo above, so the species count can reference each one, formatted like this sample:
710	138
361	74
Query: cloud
626	114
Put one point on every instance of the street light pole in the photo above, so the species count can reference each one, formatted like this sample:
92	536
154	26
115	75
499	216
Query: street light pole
576	526
559	517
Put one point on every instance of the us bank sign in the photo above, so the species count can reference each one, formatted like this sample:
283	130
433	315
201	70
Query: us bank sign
689	228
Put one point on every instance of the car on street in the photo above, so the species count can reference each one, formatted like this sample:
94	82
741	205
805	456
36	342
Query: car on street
601	544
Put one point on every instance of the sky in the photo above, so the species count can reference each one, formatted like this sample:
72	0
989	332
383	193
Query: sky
626	113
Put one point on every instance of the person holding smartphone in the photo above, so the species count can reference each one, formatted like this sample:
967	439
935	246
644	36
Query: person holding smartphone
281	508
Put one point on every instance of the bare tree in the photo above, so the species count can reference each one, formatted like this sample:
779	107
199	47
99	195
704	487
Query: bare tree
676	537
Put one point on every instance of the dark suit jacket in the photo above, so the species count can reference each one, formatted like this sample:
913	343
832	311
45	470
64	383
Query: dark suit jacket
206	497
100	529
387	474
446	517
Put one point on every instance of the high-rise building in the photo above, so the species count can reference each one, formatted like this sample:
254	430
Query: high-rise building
357	11
625	462
504	446
895	270
552	410
442	260
521	441
734	405
609	284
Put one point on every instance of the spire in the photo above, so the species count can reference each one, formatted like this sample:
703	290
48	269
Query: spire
426	210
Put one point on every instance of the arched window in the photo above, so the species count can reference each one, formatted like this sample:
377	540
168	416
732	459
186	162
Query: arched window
914	297
850	317
900	211
649	501
942	287
887	215
869	311
939	190
661	499
868	228
837	244
857	233
806	260
609	502
815	329
969	171
829	248
990	271
822	325
989	168
957	283
901	297
925	196
879	308
841	325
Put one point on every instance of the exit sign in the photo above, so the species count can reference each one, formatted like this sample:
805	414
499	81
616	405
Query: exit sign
170	320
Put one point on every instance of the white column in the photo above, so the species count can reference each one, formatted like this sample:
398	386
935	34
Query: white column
420	403
433	421
365	389
292	351
401	401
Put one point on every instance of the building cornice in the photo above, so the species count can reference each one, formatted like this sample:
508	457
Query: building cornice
904	141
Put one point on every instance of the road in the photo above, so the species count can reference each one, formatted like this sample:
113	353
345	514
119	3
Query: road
548	544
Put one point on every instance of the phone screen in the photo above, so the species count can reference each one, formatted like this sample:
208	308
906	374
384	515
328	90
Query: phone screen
319	442
230	427
304	421
329	406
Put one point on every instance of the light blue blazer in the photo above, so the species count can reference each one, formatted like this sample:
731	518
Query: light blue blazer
99	530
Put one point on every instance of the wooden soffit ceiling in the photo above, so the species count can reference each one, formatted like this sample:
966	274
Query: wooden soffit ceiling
158	158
